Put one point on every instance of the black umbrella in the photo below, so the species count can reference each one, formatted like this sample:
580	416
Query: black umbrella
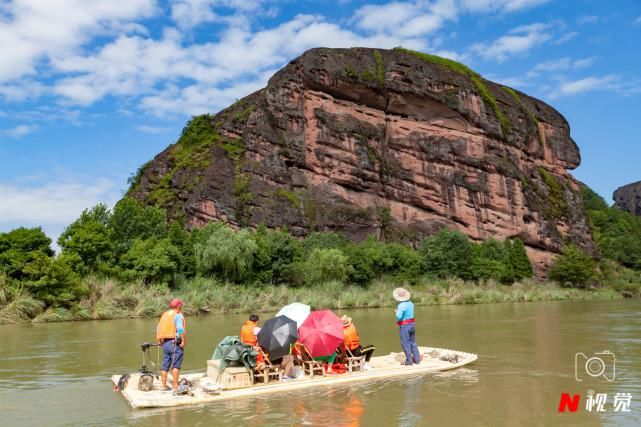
277	335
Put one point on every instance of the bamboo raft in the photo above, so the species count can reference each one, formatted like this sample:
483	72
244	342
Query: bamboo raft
382	367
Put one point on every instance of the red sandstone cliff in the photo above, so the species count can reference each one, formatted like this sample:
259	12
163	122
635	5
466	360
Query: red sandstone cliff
379	142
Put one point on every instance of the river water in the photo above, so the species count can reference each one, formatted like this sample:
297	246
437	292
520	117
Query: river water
58	374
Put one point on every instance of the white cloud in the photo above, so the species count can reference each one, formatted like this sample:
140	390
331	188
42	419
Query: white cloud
33	31
562	64
500	5
53	202
191	13
154	130
18	131
407	18
517	41
592	83
587	19
566	37
170	75
22	90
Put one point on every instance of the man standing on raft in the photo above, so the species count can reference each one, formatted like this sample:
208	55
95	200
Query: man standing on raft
405	322
170	333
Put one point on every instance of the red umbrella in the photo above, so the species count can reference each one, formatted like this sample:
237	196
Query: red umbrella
321	332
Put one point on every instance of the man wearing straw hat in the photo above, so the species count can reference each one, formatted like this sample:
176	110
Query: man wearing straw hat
405	322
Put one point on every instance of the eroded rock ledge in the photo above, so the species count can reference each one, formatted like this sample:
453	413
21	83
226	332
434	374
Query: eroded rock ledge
384	142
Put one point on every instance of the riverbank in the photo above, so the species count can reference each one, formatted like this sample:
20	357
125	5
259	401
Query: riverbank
107	299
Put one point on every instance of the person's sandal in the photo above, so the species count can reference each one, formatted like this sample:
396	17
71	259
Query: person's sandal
406	364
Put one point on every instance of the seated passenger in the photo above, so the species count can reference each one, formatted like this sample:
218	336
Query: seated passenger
353	344
248	335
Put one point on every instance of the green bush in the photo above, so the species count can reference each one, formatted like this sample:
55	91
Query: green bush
325	265
227	253
57	284
406	263
573	268
86	242
617	233
447	254
276	250
130	221
20	250
152	261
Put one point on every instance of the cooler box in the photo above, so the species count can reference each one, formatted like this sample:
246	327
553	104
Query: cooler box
231	377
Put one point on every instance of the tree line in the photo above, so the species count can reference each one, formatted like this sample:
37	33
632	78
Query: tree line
133	242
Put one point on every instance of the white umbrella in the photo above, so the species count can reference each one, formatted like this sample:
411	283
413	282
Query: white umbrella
296	311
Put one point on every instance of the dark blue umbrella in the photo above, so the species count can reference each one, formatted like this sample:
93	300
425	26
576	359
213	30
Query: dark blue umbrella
277	335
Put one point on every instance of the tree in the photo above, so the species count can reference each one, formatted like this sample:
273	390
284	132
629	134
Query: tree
573	268
21	247
490	261
447	254
324	265
182	240
368	259
406	262
86	242
131	221
517	259
325	240
152	260
276	251
56	284
225	252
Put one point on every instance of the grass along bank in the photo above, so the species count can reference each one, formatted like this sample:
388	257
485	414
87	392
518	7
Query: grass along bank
108	299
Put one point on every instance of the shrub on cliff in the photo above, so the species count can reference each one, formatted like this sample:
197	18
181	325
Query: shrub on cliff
573	268
617	233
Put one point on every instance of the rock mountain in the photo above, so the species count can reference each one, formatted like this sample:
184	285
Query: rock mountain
393	143
628	198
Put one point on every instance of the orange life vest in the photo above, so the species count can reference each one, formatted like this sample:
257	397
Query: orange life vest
350	337
166	325
247	333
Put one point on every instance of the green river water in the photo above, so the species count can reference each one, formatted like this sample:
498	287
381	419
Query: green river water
58	374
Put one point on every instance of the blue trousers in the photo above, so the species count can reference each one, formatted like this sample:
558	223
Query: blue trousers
172	355
408	342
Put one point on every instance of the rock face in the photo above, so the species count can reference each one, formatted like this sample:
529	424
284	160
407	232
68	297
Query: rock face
385	142
628	198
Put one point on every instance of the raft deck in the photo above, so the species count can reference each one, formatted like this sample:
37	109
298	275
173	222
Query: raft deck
383	367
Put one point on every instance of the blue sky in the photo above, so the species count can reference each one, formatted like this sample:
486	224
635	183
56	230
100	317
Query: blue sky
89	91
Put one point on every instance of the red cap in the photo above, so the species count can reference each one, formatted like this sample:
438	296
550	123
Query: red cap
175	303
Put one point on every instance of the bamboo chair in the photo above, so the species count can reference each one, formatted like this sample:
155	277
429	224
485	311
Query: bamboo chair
352	362
310	366
269	372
